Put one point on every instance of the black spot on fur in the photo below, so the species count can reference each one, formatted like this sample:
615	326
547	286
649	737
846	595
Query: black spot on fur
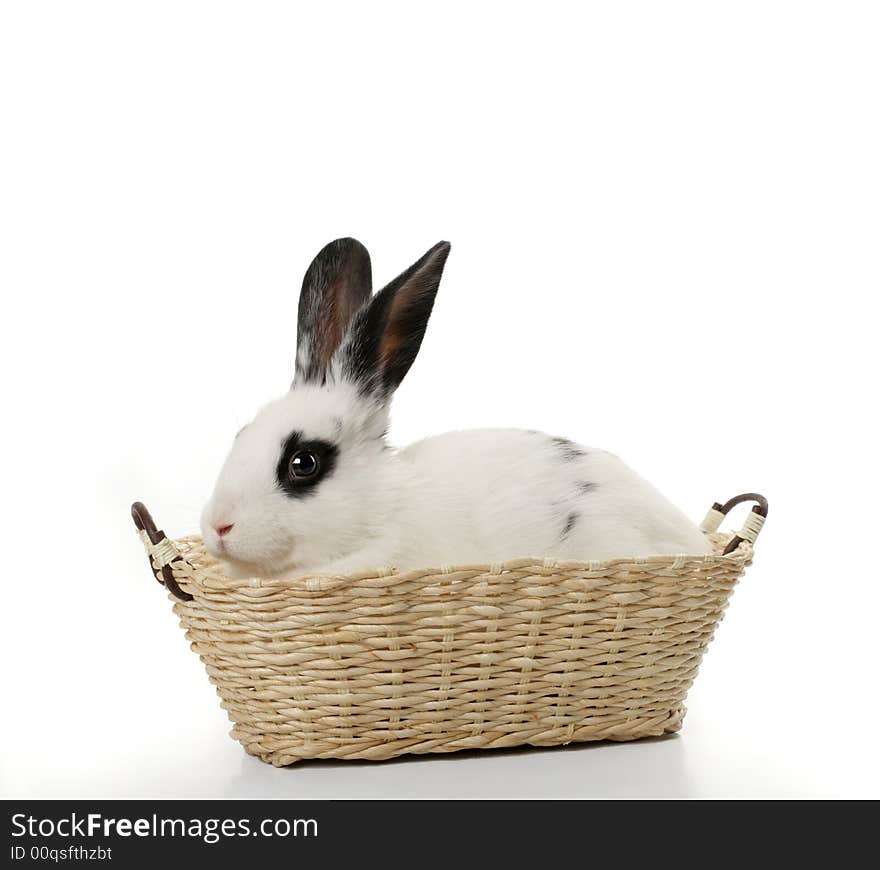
568	450
570	521
324	452
585	486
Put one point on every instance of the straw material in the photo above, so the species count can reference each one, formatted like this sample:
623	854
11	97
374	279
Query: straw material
526	652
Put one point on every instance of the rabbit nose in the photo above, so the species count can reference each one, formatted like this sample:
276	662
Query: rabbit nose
223	530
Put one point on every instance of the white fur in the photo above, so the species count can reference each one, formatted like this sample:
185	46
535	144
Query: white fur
460	498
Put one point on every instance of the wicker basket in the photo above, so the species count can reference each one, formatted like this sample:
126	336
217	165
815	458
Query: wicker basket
436	660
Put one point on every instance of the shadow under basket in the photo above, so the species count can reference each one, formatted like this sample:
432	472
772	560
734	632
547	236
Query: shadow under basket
532	651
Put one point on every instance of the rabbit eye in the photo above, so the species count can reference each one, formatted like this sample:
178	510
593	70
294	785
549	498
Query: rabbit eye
303	464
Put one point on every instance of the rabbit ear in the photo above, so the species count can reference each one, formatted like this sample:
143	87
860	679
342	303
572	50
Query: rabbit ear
386	335
336	285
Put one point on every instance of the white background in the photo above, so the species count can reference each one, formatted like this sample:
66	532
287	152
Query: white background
665	231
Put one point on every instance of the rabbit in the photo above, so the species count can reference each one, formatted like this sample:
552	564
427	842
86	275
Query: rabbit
311	486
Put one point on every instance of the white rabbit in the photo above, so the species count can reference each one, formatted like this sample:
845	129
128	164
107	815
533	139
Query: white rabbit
311	486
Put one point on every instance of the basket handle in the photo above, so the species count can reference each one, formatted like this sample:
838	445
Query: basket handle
752	526
160	550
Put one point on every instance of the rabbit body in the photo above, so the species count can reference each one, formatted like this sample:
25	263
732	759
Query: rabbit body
489	494
312	486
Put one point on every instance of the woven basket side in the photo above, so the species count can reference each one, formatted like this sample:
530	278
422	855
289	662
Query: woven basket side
435	661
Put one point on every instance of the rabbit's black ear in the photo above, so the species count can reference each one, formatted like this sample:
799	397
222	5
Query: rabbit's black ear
336	285
386	335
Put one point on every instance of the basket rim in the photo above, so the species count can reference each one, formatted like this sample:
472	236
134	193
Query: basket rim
190	575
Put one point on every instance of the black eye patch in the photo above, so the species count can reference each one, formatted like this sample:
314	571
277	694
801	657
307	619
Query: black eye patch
303	464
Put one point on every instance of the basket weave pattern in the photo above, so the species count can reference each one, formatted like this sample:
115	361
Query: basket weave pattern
525	652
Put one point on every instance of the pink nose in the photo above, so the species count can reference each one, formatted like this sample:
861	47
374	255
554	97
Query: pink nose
224	530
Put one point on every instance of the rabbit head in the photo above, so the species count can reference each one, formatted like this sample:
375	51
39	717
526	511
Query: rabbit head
310	478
